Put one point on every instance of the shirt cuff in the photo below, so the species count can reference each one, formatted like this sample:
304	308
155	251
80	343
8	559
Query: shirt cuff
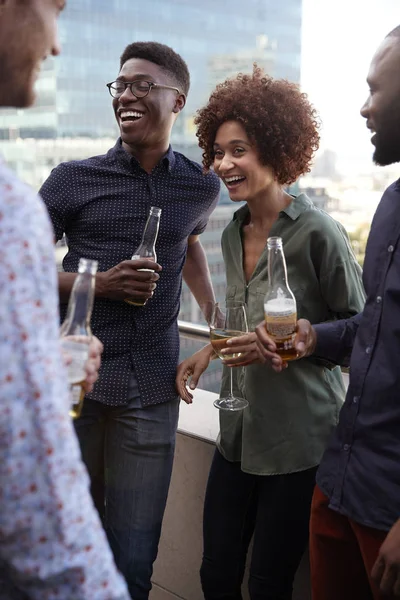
328	342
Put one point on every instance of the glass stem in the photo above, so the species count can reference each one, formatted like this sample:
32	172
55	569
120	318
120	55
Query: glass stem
231	382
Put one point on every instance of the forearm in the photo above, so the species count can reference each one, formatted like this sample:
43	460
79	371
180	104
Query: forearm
335	340
197	274
66	281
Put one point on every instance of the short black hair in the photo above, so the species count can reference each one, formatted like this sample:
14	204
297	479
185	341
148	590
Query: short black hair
395	32
161	55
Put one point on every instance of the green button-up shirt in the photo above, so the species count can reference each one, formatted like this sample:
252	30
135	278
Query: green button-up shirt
290	414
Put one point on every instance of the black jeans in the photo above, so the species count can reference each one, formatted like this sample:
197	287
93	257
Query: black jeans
276	508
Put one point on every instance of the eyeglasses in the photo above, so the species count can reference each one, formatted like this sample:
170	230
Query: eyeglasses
138	88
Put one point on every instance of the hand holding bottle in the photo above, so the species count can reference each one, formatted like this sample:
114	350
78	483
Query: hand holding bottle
304	343
146	250
93	362
129	280
76	335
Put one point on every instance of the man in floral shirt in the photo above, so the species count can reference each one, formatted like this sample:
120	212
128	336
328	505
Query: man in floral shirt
52	545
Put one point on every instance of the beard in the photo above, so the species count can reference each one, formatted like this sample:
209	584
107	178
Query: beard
387	140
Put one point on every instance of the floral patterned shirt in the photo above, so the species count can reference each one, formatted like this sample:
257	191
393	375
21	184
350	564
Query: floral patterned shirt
52	545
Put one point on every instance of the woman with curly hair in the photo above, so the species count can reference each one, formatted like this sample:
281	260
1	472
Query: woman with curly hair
259	135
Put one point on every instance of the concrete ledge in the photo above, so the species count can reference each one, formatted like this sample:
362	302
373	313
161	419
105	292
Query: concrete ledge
158	593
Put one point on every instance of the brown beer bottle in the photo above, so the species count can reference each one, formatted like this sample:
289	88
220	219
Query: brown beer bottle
76	332
279	303
147	247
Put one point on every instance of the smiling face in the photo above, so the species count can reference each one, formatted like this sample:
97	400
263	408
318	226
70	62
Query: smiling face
382	108
146	122
237	163
28	34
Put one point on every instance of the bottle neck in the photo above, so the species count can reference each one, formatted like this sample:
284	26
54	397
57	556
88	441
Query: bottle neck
277	273
151	231
149	238
80	306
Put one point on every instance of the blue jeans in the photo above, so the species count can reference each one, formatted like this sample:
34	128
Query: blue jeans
276	509
129	451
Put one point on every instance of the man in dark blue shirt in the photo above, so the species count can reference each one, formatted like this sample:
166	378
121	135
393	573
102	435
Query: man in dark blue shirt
357	497
128	425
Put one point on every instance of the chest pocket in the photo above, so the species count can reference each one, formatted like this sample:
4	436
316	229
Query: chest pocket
230	292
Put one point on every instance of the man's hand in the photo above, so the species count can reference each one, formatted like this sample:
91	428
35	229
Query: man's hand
246	346
128	280
304	342
306	338
93	362
192	367
386	570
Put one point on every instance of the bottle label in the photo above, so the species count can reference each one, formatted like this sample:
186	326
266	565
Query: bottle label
77	353
282	326
281	317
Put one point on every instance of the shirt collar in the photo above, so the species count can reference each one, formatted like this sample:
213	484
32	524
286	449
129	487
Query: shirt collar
300	204
129	161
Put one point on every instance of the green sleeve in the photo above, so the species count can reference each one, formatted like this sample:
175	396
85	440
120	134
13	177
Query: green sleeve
340	276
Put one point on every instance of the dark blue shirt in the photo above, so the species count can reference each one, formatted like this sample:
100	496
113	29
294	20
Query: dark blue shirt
102	204
360	471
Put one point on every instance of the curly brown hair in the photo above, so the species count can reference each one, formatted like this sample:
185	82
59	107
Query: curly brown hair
277	117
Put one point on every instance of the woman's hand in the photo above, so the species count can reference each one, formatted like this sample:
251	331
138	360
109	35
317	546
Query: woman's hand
192	368
246	346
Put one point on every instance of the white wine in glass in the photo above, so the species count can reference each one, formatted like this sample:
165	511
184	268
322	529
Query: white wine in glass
227	321
219	337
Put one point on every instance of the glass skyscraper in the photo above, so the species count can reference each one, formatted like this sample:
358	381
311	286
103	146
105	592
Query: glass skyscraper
73	100
73	118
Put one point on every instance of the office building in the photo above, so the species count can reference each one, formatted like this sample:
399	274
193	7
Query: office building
73	117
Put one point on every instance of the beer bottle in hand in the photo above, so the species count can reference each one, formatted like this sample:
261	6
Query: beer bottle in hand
147	248
76	333
279	303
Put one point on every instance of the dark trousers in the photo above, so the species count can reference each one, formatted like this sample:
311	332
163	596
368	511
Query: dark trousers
276	508
128	451
342	554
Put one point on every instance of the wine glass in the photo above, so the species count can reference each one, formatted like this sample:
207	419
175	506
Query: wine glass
227	321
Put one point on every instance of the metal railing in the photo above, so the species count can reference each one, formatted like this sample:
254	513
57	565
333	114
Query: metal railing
191	331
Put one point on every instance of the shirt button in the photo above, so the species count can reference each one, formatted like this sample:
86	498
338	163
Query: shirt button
356	399
378	299
346	447
368	350
391	248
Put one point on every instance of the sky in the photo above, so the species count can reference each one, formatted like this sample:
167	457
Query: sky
339	40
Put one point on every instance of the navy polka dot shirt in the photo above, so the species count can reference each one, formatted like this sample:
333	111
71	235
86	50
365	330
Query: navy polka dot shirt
102	204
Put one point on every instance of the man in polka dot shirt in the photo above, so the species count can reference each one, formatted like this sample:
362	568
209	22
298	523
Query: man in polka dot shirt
128	426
